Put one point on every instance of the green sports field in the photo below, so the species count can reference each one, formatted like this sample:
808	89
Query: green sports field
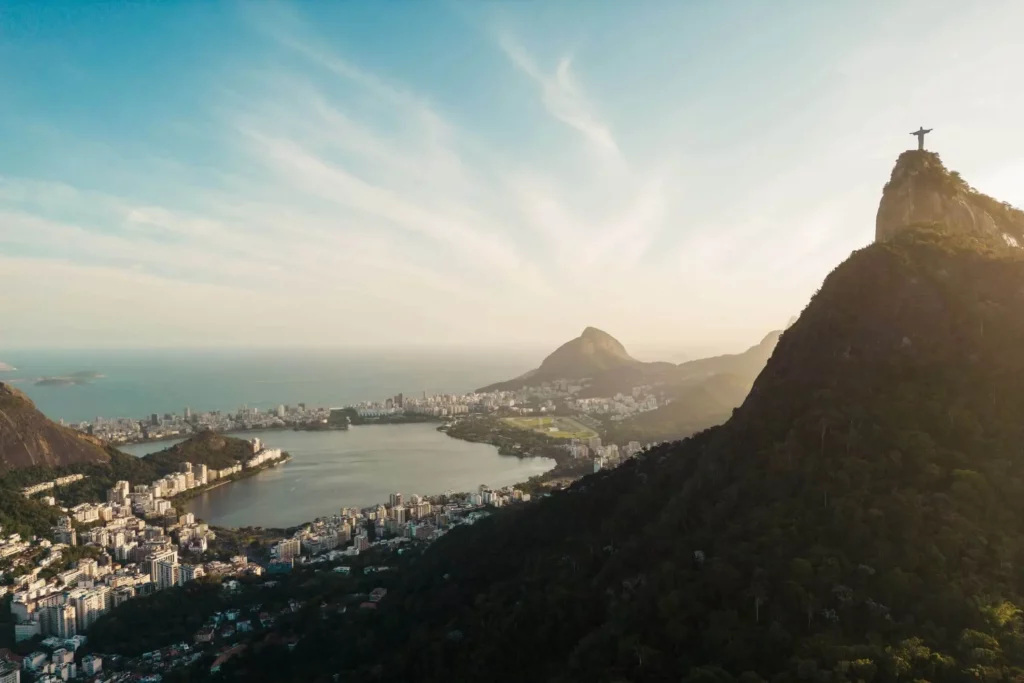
556	427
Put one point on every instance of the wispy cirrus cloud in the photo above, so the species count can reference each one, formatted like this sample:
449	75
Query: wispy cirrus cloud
562	96
485	187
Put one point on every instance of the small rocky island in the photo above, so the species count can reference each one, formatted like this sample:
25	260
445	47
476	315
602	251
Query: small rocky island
74	379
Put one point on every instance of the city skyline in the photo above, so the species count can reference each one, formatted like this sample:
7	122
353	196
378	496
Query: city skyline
258	174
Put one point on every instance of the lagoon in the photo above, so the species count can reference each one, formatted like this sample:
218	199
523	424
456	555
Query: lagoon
353	468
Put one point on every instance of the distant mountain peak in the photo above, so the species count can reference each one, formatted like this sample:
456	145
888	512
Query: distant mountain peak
921	191
595	333
589	355
592	352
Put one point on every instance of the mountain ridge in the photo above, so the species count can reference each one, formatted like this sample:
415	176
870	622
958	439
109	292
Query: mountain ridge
616	371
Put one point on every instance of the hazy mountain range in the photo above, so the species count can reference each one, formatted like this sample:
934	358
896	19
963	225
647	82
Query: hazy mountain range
694	395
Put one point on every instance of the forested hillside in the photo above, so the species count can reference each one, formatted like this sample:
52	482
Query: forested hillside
860	518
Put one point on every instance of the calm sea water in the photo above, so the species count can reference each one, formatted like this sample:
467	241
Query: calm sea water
359	467
137	383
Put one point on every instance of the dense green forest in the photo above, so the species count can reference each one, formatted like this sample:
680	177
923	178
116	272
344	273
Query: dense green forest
691	407
153	621
859	518
19	515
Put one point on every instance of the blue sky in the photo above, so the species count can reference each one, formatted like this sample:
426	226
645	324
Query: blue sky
681	174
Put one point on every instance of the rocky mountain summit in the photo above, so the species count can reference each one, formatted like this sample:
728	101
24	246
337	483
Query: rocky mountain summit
921	190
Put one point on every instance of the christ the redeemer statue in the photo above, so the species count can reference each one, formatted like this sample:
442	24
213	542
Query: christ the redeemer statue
920	133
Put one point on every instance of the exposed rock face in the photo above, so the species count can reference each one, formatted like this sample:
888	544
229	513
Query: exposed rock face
27	437
921	190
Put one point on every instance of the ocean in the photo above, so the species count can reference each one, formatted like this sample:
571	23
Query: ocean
138	383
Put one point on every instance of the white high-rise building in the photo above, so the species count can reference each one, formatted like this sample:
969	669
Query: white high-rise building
288	549
154	558
58	620
89	605
167	572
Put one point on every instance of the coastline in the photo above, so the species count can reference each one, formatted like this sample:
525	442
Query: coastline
400	419
244	430
244	474
520	443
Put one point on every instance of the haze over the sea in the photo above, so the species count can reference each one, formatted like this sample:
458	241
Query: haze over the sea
137	383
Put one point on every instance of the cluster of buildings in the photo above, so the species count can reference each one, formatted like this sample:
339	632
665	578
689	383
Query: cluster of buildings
618	407
605	456
12	545
439	405
132	558
134	555
260	456
416	517
452	405
56	666
545	397
121	430
51	485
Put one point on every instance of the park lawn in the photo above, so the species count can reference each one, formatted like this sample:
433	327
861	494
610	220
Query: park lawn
555	427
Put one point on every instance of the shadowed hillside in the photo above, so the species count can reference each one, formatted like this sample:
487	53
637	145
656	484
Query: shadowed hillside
28	438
